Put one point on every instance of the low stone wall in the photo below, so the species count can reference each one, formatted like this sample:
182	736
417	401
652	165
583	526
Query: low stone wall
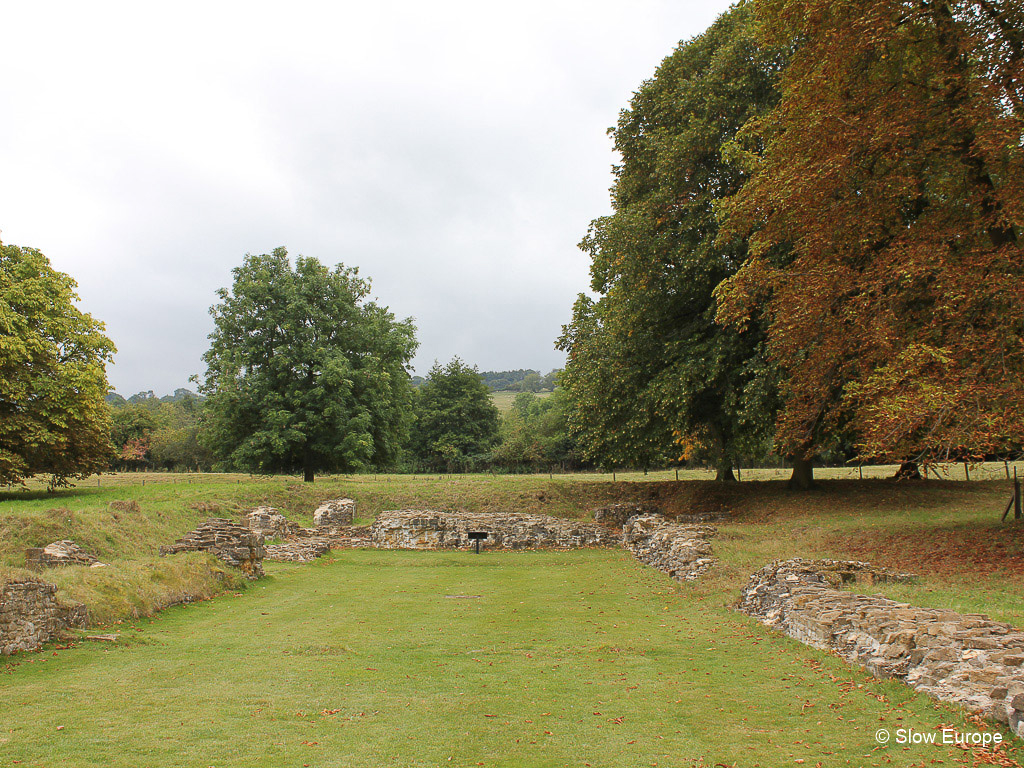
234	544
412	529
57	554
356	537
966	659
300	550
31	614
681	551
270	523
334	514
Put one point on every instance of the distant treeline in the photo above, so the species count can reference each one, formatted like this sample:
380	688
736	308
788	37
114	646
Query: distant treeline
453	426
150	432
520	380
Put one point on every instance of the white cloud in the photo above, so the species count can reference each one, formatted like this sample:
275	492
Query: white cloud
455	151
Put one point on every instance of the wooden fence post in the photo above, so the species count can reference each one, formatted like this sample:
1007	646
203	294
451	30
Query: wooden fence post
1016	496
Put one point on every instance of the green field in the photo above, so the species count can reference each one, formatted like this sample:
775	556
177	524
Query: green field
374	658
380	658
503	399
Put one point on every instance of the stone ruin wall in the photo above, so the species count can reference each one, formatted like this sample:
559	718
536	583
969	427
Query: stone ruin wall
334	515
302	550
617	515
234	544
31	614
681	551
333	521
413	529
966	659
271	524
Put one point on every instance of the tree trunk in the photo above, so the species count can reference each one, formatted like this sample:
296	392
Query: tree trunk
908	471
723	464
307	465
723	471
803	474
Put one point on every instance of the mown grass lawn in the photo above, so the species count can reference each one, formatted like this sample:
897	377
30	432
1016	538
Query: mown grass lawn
370	658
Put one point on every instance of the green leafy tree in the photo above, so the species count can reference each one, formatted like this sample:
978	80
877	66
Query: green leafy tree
303	372
650	373
176	444
534	433
457	424
53	417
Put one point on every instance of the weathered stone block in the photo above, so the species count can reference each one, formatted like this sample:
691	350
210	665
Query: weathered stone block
334	514
57	554
271	523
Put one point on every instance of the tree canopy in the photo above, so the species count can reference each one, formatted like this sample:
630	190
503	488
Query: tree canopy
884	212
303	372
650	375
53	418
160	432
456	421
534	434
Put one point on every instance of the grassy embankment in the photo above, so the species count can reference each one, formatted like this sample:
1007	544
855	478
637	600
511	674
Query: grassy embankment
948	530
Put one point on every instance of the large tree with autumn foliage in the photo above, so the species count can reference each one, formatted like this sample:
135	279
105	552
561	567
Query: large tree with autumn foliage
650	375
884	215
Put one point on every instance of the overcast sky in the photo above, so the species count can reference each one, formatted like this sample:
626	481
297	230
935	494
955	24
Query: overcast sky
454	151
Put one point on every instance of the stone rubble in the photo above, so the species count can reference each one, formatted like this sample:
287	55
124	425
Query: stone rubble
271	523
681	551
966	659
334	514
234	544
58	554
616	515
31	614
414	529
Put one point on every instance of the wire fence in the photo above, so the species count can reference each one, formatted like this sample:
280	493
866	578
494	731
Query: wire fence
986	471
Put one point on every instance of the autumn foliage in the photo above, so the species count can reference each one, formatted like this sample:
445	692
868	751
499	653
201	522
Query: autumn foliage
883	219
817	222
